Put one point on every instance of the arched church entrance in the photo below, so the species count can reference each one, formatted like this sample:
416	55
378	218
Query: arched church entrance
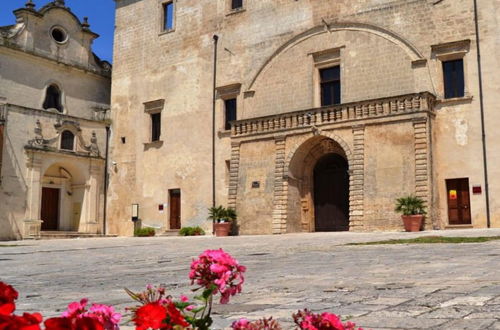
318	186
63	196
331	193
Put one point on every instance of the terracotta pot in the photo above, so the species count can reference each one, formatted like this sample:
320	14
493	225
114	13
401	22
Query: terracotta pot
413	222
222	229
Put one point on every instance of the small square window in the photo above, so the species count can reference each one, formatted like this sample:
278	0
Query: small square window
236	4
330	85
168	16
230	112
155	126
453	75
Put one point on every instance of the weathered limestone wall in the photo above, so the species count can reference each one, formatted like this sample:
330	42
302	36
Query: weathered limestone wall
30	61
16	176
273	49
25	78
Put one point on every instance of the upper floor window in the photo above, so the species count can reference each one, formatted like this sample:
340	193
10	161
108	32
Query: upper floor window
453	75
53	98
155	126
230	106
236	4
67	140
168	16
330	85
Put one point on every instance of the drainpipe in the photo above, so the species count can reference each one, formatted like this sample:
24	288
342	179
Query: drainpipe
106	178
216	40
483	129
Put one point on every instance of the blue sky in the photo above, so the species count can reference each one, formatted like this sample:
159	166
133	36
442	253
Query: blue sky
100	13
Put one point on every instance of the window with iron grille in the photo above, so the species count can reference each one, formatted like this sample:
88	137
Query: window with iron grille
67	140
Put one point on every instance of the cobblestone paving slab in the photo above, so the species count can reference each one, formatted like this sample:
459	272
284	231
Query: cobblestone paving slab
438	286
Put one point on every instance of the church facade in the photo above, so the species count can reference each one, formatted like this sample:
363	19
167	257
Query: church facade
306	115
54	105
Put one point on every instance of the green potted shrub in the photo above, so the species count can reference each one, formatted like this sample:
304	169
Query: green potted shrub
221	219
191	231
413	211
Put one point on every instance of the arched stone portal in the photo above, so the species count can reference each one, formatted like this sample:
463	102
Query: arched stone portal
63	196
312	163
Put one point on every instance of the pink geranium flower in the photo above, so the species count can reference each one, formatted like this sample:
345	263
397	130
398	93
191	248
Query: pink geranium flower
216	268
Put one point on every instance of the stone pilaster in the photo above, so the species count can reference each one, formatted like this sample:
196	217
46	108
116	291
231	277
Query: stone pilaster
234	166
422	161
32	221
357	180
91	220
280	188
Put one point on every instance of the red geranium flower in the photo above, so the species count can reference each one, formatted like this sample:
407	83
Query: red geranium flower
150	316
25	322
157	316
7	297
81	323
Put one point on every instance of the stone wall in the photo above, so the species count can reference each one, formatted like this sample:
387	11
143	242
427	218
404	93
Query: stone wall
274	49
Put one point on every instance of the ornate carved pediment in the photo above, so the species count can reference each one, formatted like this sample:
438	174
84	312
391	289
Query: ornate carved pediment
39	141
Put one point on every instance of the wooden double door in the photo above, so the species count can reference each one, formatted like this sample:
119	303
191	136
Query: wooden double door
458	201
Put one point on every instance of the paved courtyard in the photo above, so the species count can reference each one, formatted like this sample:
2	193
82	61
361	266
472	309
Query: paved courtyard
442	286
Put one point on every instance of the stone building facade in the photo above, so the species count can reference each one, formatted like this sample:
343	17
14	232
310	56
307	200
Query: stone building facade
341	107
54	99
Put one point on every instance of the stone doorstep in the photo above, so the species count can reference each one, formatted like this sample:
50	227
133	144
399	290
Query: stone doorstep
45	235
170	232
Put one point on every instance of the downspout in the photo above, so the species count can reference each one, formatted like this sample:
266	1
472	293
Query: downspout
214	95
106	178
483	129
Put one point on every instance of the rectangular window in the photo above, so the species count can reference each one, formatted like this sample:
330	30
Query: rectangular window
155	126
168	16
230	113
453	74
236	4
330	85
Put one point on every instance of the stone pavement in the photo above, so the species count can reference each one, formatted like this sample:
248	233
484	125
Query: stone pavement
441	286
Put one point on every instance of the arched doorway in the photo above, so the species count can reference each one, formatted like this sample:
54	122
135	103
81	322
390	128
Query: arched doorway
331	193
318	186
63	196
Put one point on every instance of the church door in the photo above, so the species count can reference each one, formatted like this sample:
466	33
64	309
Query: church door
50	209
331	193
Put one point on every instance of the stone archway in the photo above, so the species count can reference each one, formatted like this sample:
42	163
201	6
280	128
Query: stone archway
300	168
62	197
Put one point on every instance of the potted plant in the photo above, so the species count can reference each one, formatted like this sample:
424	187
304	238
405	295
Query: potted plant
413	211
222	218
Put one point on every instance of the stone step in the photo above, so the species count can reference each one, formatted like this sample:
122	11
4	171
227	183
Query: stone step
173	232
53	234
459	227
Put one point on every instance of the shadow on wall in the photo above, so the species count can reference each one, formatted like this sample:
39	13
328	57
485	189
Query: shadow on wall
13	193
124	3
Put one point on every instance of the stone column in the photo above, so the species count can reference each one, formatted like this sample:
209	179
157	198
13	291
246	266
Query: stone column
234	167
280	188
422	164
32	221
357	180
